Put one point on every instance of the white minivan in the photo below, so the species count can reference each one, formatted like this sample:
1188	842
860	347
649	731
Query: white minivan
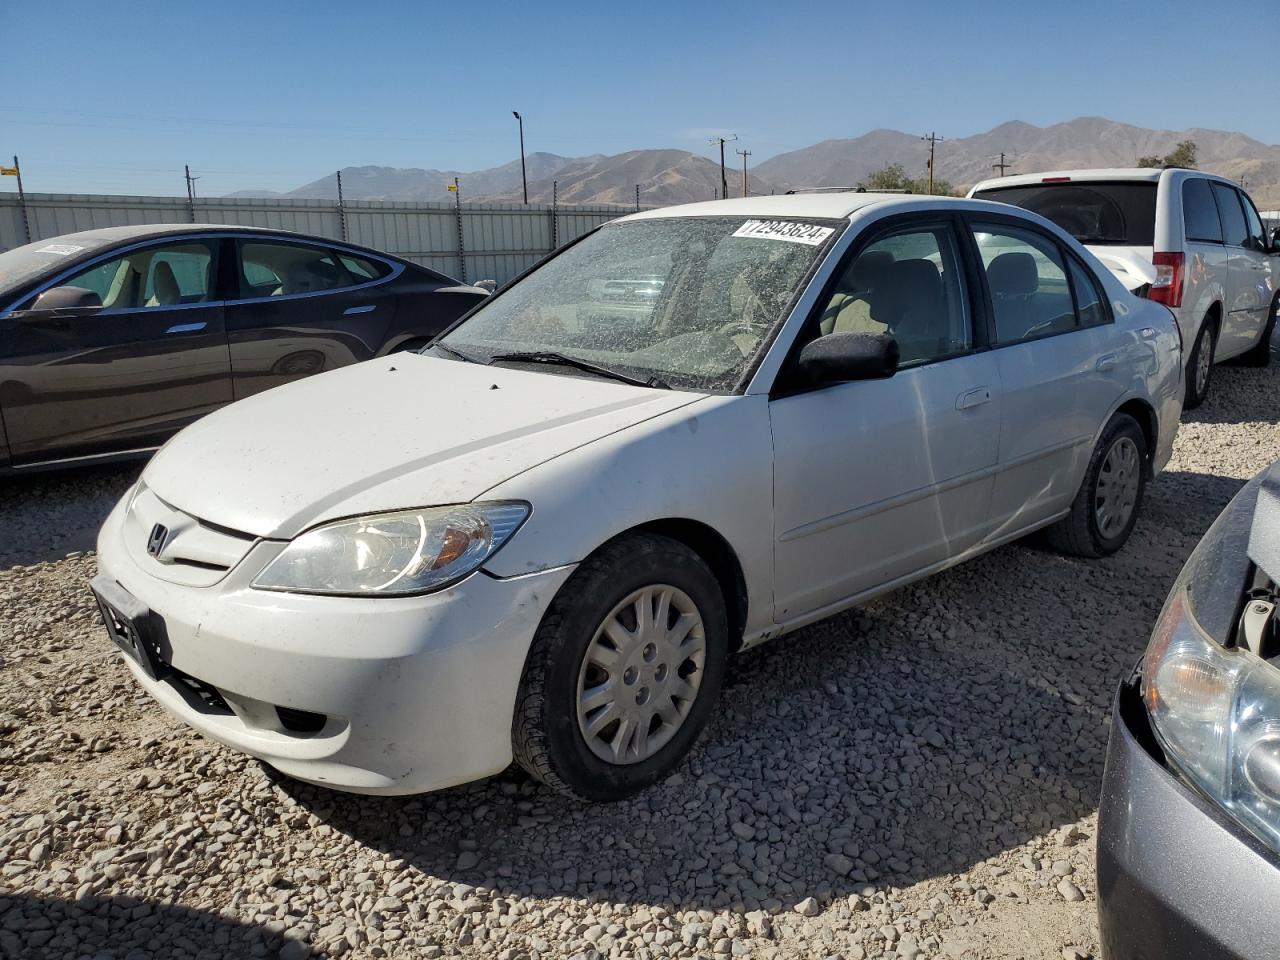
691	431
1190	240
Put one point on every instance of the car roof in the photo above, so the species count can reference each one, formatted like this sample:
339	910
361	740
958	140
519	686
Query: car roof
835	206
1109	174
102	236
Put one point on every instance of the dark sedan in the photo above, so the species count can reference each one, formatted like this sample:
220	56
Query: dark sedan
111	340
1189	825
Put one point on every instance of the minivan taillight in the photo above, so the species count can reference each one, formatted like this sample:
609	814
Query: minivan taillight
1167	287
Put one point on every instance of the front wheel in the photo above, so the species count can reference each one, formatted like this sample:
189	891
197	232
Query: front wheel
1199	367
623	671
1106	507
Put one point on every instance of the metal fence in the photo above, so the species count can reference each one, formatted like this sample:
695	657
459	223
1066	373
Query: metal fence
470	241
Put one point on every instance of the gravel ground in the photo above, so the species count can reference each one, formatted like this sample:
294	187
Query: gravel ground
914	779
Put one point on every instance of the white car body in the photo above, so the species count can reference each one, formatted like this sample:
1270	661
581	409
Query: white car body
1231	287
822	500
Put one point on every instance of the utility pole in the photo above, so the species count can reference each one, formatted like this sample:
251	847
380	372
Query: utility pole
555	200
16	171
342	213
724	180
637	198
1002	165
523	178
744	154
191	191
456	189
933	140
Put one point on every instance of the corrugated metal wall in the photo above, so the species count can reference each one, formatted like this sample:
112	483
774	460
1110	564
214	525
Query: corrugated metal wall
499	240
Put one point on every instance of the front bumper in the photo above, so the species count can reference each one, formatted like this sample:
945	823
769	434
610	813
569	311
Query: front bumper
412	694
1177	878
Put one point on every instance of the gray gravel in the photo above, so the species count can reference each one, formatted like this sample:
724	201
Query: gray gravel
914	779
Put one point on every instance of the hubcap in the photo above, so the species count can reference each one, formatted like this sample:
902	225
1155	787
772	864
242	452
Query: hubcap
641	674
1117	490
1204	359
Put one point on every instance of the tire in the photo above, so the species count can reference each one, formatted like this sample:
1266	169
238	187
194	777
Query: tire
1199	372
1088	530
1260	354
550	736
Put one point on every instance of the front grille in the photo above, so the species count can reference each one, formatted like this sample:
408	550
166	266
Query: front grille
199	694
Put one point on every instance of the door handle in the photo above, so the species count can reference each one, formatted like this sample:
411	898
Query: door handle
973	398
1106	362
187	327
365	308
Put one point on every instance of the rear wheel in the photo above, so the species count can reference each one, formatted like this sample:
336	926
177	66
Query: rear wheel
624	670
1199	366
1260	354
1106	507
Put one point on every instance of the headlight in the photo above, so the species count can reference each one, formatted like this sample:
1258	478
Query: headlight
1216	712
393	554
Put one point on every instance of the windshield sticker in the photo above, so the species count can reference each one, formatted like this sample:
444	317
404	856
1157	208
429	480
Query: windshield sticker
61	249
810	234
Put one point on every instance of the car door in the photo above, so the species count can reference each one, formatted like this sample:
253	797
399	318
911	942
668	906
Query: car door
1262	266
303	308
1063	368
123	375
1248	276
877	480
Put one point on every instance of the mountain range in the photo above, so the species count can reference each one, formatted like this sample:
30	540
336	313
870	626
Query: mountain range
672	176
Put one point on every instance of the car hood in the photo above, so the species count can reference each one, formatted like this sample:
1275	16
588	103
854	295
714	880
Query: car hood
397	432
1264	532
1132	265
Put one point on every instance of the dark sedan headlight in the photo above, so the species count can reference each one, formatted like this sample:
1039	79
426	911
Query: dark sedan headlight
1214	703
394	554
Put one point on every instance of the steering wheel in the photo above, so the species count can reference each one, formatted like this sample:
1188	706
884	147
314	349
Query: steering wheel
739	326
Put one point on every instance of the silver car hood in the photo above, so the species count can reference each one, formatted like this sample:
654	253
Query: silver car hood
401	431
1264	534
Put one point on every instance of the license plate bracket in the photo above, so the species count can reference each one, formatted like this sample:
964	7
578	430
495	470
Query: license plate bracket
131	625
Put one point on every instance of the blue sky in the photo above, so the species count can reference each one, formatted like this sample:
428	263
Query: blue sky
116	97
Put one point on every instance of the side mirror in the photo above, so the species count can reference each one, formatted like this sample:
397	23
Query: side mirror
70	301
840	357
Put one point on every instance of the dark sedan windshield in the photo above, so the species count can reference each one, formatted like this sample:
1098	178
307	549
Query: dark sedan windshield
686	301
21	264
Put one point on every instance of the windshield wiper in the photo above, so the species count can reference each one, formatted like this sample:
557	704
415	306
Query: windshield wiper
452	352
561	360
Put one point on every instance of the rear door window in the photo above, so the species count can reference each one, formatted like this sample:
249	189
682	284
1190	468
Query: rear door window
1199	212
1090	301
272	269
1235	231
1029	289
1121	213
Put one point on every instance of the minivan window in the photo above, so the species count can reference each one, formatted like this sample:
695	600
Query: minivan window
1257	232
1199	213
1122	213
1235	231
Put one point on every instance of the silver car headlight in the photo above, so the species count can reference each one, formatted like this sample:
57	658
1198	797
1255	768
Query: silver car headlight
1216	709
394	554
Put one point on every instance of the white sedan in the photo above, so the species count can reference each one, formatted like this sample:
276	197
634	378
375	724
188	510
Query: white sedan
691	431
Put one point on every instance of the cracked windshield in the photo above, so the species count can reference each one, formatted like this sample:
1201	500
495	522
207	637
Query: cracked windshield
682	302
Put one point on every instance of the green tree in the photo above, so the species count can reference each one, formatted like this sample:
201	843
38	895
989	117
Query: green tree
1183	155
893	176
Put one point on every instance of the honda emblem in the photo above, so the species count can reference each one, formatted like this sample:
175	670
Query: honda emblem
155	543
